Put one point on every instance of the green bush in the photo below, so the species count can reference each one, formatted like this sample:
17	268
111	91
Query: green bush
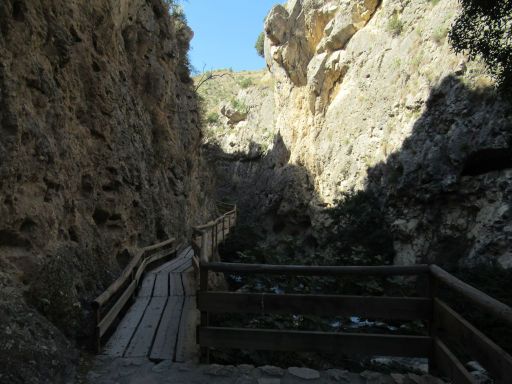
482	29
359	234
395	25
239	105
439	35
213	118
245	82
260	44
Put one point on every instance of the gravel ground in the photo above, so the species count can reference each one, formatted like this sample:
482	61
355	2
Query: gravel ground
142	371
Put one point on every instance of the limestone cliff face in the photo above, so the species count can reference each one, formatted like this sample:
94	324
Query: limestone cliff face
99	155
376	99
369	95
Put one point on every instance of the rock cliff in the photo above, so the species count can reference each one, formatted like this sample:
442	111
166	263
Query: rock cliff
99	155
368	95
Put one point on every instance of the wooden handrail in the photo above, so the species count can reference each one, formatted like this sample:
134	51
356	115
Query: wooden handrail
445	325
373	307
127	272
497	308
117	295
212	223
386	270
207	237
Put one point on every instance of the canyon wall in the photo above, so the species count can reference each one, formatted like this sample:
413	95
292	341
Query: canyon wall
99	155
369	95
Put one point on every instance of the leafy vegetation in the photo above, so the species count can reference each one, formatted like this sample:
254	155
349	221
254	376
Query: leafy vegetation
439	35
260	44
358	235
245	82
239	105
484	29
395	25
213	118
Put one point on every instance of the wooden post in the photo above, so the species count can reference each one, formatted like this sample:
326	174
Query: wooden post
433	291
98	336
223	228
213	242
203	287
204	255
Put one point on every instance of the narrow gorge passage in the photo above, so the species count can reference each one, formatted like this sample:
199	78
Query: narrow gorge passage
349	134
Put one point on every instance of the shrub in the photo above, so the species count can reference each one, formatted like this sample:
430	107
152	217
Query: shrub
245	82
395	25
239	105
360	234
439	35
482	29
260	44
213	118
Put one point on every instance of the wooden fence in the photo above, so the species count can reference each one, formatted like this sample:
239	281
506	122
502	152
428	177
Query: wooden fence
445	324
206	238
110	304
115	298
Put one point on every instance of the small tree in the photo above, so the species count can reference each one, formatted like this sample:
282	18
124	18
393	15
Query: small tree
484	28
260	43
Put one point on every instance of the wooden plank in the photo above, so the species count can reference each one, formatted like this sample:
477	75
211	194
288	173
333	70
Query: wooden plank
161	285
178	262
189	283
164	346
497	308
146	262
186	347
146	288
450	366
301	270
185	266
140	345
112	314
396	308
491	356
171	266
162	267
121	338
175	284
346	343
190	252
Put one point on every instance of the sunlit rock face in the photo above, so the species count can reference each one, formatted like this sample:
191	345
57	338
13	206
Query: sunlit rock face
99	155
369	95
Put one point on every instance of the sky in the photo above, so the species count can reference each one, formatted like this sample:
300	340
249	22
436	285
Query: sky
225	32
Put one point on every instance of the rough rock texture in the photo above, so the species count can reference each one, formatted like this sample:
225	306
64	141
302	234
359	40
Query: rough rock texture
99	155
369	95
249	98
129	371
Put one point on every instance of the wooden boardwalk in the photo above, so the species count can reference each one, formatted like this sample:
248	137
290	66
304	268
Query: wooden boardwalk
161	323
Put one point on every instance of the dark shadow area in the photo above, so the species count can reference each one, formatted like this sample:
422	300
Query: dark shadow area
426	203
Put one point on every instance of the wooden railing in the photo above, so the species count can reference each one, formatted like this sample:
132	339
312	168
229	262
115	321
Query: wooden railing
109	305
444	323
207	237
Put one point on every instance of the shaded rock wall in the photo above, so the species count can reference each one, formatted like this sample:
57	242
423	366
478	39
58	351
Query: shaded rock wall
369	95
99	155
